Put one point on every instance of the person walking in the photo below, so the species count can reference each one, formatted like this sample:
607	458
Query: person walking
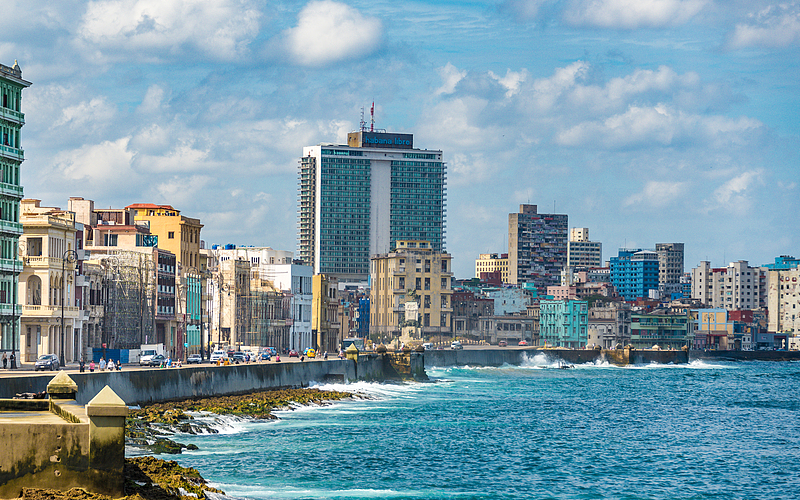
5	361
82	365
13	360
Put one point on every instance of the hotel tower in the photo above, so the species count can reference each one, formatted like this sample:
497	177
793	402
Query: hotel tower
359	199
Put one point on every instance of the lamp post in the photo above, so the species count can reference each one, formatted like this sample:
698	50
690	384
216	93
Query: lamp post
72	257
14	285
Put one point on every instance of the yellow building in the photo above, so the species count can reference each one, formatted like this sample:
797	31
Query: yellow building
325	322
491	262
411	287
176	233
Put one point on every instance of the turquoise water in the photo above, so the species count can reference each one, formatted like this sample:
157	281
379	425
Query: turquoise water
721	430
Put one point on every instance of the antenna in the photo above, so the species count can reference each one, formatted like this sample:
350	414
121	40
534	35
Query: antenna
372	117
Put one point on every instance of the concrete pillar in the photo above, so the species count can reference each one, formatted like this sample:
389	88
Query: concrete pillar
107	413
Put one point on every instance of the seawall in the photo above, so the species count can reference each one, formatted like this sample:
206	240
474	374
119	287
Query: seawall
500	356
745	355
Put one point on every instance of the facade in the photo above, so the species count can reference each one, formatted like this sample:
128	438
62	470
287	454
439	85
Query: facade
537	247
411	286
490	263
670	263
563	323
11	157
325	320
634	273
276	271
358	200
714	330
784	301
469	314
609	325
668	331
508	300
783	263
737	286
581	252
51	322
176	233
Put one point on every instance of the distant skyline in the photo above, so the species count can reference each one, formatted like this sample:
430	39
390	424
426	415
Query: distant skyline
646	121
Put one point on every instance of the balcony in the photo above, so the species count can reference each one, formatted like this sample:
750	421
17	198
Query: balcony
7	310
13	153
12	116
39	262
70	312
10	227
9	266
10	189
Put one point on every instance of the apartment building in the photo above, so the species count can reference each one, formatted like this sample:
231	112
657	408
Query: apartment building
537	247
737	286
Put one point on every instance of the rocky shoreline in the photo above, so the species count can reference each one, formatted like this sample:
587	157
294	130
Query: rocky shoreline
152	427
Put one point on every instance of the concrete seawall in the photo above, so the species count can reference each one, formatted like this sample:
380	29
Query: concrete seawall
500	356
746	355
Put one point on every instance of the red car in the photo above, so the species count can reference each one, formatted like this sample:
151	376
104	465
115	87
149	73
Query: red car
502	343
294	354
523	342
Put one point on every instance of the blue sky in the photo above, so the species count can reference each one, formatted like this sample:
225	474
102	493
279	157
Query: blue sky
644	120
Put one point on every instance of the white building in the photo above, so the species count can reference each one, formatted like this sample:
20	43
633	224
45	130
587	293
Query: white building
509	301
784	300
581	252
737	286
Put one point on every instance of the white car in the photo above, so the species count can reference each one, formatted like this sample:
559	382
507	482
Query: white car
218	356
146	356
456	345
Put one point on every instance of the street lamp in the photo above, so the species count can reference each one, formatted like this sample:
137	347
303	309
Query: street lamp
72	257
14	285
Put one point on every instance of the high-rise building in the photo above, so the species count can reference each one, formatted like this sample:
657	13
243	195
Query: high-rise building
670	263
359	199
581	252
11	157
537	247
784	300
634	273
737	286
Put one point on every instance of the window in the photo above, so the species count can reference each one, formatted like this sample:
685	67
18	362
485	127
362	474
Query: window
171	235
110	240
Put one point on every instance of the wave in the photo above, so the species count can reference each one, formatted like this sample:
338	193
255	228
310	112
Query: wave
290	492
373	390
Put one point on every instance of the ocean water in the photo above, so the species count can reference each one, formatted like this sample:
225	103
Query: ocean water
697	431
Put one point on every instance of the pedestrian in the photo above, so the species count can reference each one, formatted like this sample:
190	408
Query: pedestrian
277	358
5	361
91	366
111	365
83	365
13	360
325	357
301	358
102	364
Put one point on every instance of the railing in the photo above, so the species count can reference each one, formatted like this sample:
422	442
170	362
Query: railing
11	115
50	311
40	261
10	227
14	153
8	265
10	189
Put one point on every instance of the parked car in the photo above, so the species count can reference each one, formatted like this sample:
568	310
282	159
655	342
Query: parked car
523	342
427	346
272	351
238	357
194	359
294	354
502	343
456	345
158	360
265	355
218	356
145	356
46	362
230	353
310	353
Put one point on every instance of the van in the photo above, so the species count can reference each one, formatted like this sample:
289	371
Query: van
218	355
427	346
146	356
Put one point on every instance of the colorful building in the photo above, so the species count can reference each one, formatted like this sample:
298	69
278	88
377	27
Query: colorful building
634	273
11	157
490	263
668	331
176	233
563	323
537	247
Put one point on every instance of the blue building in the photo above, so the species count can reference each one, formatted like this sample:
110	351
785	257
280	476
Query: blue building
563	323
634	272
783	263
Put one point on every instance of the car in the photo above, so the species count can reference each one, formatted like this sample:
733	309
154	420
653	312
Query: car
502	343
145	356
272	351
238	357
456	345
230	353
427	346
218	356
294	354
523	342
310	353
194	359
46	362
265	356
158	360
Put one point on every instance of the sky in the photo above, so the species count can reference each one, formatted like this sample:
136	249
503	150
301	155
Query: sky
646	121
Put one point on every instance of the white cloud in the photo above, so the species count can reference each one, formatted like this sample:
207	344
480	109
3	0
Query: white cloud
328	32
642	127
657	194
512	81
98	164
775	26
153	100
219	28
631	14
732	193
92	113
450	77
